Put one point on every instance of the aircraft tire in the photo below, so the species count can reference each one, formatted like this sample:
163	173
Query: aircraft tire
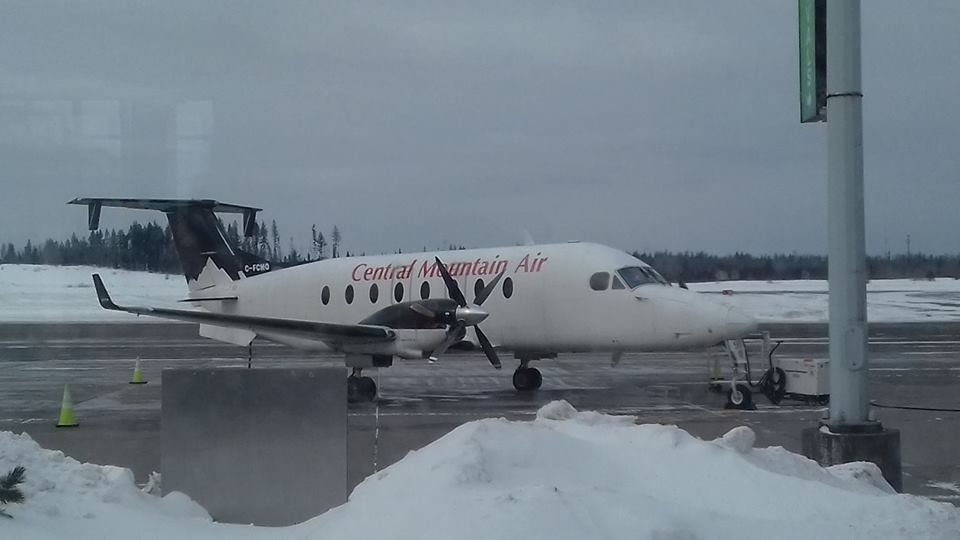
527	379
743	402
368	388
361	389
353	389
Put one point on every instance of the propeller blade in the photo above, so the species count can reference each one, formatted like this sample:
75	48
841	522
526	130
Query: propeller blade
488	289
423	310
454	289
488	348
454	334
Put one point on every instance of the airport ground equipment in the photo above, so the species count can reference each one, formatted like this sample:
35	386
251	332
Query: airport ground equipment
739	394
808	379
266	445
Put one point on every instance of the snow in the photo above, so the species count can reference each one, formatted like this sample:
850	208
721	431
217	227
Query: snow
38	293
566	474
888	300
41	293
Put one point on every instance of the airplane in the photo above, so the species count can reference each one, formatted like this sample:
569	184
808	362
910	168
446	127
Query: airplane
534	301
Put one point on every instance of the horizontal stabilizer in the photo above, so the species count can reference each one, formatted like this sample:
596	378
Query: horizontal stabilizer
94	204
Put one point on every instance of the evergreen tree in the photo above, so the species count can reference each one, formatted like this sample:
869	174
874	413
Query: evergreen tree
10	254
263	244
9	488
233	234
277	252
335	242
293	256
321	246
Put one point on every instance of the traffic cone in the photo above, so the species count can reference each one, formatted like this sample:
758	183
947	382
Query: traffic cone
137	374
66	410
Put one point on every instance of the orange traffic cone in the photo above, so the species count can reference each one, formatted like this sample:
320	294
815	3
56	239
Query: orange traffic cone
137	374
66	410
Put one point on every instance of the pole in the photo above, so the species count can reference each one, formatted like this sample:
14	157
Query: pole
851	434
847	265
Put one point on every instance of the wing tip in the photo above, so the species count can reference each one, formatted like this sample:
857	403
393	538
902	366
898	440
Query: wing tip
102	295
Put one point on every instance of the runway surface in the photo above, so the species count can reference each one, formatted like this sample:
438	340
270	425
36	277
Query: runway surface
911	364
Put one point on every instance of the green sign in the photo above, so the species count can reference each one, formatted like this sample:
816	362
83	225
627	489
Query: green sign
813	60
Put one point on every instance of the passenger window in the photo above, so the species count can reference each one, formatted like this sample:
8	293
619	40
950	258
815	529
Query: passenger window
477	287
617	284
325	295
600	281
507	288
398	292
348	294
374	293
424	291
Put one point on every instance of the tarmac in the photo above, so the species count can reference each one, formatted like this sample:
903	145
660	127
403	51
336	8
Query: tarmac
914	365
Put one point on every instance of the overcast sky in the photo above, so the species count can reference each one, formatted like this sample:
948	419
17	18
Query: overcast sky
639	124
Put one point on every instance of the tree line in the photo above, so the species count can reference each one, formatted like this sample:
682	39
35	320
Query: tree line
702	266
150	247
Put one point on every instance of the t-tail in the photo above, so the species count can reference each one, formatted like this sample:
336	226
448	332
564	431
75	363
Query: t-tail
207	258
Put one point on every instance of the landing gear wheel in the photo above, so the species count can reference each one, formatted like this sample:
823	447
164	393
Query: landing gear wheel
741	398
526	379
360	389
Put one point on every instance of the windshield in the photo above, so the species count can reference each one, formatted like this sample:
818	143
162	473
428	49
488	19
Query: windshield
635	276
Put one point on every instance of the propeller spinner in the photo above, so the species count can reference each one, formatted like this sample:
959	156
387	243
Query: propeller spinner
465	315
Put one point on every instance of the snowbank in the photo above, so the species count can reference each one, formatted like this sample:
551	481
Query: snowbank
566	474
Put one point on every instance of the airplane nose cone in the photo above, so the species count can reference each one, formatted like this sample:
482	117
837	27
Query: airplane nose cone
738	324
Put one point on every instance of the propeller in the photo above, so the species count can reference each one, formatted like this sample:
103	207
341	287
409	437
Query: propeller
464	315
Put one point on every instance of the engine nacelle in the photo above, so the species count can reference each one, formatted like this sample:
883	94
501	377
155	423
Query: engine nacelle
409	344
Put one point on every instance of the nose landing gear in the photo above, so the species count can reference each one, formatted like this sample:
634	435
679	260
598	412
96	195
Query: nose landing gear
739	395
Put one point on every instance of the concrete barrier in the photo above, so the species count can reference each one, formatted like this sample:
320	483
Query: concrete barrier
262	446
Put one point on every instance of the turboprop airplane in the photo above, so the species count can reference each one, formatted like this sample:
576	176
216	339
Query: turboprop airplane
534	300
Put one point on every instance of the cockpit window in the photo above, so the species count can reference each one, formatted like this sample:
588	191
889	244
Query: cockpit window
617	284
635	276
600	281
662	280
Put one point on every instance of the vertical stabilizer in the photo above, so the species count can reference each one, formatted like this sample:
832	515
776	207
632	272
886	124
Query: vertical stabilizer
207	258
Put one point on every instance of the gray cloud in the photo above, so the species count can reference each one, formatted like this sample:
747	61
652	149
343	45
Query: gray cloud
654	125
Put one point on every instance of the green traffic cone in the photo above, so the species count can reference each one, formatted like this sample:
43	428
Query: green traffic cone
137	374
66	410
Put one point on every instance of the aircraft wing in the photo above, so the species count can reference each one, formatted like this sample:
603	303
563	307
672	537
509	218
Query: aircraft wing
327	332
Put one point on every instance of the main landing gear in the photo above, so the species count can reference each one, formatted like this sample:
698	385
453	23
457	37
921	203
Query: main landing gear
360	388
526	379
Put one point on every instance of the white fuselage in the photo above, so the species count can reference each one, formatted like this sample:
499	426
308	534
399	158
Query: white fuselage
552	307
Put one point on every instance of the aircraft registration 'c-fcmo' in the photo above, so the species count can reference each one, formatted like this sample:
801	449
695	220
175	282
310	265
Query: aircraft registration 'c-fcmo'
534	301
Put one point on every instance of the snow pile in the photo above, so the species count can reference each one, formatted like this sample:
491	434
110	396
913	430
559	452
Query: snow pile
69	499
888	300
41	293
566	474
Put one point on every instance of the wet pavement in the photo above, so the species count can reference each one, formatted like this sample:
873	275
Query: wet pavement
911	364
